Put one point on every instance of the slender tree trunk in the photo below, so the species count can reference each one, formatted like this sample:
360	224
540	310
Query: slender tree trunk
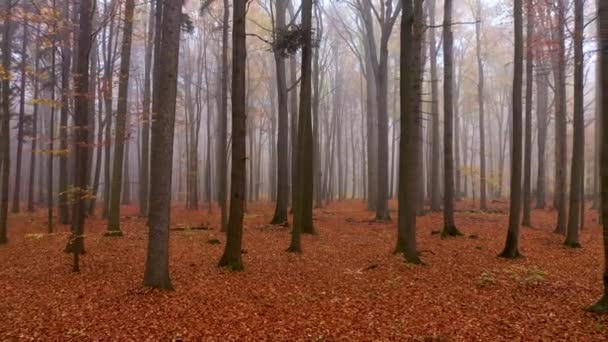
222	146
282	188
560	124
121	123
480	96
303	209
36	134
144	178
434	180
20	133
449	225
457	167
51	138
316	81
527	173
66	53
81	134
511	246
5	129
231	258
578	146
542	88
156	272
108	93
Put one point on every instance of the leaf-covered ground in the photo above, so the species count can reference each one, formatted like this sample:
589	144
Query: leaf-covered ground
345	286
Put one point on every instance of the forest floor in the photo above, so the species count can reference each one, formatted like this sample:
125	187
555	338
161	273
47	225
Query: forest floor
346	285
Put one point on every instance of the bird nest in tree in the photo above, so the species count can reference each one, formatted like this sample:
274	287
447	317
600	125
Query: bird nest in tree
289	40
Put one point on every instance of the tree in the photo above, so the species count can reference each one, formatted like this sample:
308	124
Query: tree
222	145
231	258
578	146
282	188
601	306
408	151
542	119
379	66
435	190
81	134
144	178
302	219
32	170
121	122
20	125
527	173
480	98
559	72
66	55
5	146
511	246
156	272
449	226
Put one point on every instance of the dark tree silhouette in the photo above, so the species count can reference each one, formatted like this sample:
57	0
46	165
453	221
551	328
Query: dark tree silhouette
231	258
511	246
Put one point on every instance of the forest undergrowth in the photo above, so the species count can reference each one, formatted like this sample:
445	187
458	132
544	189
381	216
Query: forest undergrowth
346	285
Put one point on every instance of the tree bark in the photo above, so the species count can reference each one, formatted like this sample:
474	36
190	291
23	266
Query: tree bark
449	225
601	306
282	188
222	145
20	133
408	152
480	97
511	246
231	258
36	134
542	115
560	123
434	177
156	272
81	134
121	122
527	172
578	146
303	209
5	129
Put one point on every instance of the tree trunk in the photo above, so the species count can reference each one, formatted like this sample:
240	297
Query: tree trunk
303	209
542	119
527	205
480	96
560	123
156	272
282	196
434	180
121	122
511	246
601	306
36	134
5	129
578	146
144	178
408	152
66	53
20	134
222	146
449	226
231	258
81	134
108	92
